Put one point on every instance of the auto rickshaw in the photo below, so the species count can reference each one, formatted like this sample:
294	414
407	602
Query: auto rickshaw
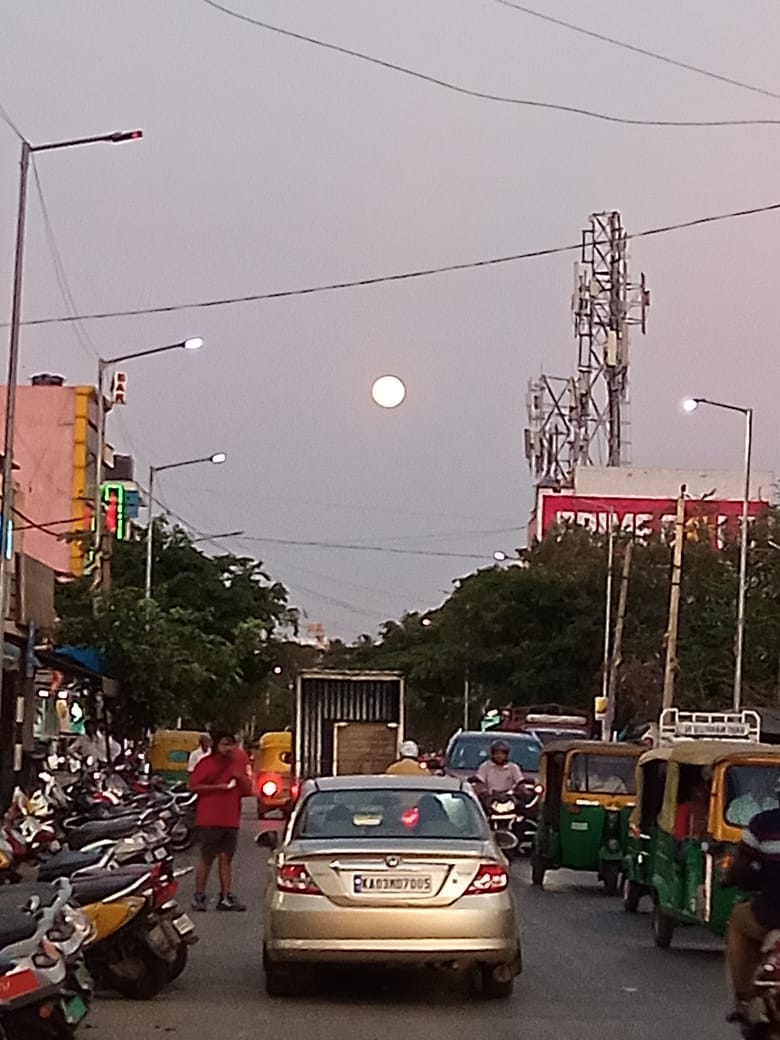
643	827
272	766
688	870
170	750
589	791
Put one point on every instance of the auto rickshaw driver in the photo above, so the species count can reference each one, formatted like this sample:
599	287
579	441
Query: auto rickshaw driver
691	817
756	867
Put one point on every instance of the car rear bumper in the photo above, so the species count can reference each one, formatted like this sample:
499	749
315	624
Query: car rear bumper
310	928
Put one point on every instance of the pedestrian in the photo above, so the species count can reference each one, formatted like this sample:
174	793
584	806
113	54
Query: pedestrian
203	749
409	761
92	744
220	781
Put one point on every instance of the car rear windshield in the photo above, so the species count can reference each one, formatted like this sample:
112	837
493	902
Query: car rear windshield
469	752
396	814
749	791
602	774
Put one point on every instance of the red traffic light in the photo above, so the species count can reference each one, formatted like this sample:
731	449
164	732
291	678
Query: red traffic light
126	135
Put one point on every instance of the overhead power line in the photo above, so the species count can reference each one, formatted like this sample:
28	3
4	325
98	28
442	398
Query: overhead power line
10	123
355	547
484	95
426	272
637	50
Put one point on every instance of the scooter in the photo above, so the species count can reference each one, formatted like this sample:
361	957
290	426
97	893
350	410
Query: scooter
762	1015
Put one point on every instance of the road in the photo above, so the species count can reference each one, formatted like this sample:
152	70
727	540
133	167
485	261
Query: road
591	973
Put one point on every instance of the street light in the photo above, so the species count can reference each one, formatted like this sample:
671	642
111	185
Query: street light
690	405
216	459
103	364
13	343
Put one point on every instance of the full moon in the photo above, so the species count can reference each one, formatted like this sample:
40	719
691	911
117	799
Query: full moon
388	391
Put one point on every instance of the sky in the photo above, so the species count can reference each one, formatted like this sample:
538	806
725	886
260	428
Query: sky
272	164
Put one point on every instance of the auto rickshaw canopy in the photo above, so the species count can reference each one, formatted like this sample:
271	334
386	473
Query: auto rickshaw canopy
716	756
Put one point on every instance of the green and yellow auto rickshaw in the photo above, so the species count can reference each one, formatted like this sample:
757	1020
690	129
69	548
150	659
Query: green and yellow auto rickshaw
588	794
643	827
732	782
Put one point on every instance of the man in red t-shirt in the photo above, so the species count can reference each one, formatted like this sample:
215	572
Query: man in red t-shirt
220	781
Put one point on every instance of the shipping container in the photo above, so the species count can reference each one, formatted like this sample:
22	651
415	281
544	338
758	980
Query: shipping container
347	722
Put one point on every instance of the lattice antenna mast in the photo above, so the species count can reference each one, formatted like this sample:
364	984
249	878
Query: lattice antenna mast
605	304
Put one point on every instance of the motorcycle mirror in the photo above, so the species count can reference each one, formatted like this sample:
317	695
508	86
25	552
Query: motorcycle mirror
46	777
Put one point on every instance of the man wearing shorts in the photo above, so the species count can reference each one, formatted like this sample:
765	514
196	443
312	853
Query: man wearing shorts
220	781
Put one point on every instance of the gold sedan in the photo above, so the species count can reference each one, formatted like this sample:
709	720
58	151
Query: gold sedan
390	870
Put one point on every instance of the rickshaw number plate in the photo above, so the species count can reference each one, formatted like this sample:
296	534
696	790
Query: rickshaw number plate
419	884
579	826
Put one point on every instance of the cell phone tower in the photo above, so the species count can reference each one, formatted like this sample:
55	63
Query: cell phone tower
583	420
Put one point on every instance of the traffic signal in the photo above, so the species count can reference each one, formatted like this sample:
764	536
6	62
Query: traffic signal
112	512
119	388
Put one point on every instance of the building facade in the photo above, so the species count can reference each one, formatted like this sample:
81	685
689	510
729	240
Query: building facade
55	452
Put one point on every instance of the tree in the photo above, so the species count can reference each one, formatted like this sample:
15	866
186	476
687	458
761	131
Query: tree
200	650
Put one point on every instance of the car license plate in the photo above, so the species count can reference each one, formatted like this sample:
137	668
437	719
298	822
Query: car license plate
75	1009
184	924
394	884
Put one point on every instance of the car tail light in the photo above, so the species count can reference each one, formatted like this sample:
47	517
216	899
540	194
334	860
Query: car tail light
491	877
294	877
295	789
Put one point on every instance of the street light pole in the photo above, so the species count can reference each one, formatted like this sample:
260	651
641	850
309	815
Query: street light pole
6	515
216	459
104	364
690	405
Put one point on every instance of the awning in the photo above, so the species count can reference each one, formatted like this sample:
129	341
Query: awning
75	660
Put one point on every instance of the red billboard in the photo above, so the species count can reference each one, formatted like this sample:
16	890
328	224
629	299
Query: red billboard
639	516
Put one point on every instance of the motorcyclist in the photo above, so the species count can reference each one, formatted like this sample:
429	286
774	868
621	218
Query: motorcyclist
409	761
497	773
756	867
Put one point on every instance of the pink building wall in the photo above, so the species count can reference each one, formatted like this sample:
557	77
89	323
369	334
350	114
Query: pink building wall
55	449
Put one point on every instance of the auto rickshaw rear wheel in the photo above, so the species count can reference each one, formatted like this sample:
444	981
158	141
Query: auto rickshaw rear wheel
632	893
663	927
538	870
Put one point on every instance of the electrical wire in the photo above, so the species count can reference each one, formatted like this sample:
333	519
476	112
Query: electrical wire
637	50
484	95
10	123
353	547
427	272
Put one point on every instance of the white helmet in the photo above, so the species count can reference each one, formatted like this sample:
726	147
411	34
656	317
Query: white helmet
409	749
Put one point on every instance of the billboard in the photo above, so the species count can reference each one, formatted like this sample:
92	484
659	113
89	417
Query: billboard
638	515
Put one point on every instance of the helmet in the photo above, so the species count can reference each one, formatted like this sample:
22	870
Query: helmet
409	749
499	745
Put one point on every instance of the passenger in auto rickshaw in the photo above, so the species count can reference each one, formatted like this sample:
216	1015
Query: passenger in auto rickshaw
691	817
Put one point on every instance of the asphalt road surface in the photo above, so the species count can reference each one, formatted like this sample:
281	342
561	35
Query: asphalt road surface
591	973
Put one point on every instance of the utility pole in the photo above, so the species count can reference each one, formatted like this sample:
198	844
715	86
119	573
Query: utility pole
617	648
466	701
670	670
608	616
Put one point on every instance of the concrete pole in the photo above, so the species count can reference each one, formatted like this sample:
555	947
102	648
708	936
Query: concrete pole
670	669
617	648
149	537
739	645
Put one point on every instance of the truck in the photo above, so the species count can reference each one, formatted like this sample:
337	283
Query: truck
347	722
548	722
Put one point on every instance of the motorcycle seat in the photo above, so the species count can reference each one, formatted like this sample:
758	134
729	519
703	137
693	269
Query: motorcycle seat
16	926
68	862
16	897
97	887
89	832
